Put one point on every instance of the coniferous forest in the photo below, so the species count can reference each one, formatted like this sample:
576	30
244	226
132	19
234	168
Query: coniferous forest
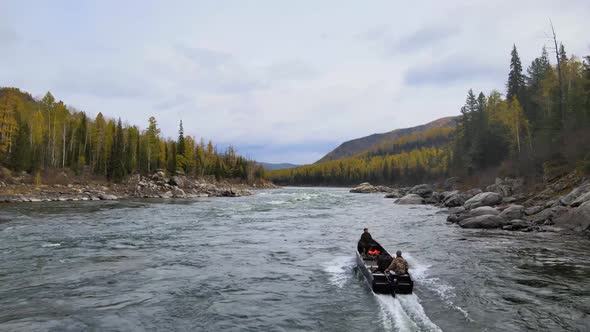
38	135
538	126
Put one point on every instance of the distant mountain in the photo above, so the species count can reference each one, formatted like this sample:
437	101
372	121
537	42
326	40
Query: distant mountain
272	167
359	145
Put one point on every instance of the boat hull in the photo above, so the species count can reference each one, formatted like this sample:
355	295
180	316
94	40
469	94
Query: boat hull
382	283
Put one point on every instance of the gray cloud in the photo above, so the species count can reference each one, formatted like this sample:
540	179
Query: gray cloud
392	43
170	103
452	70
291	70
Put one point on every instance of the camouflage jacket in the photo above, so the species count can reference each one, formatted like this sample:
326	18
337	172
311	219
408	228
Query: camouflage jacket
399	266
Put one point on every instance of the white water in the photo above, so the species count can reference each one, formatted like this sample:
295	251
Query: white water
401	313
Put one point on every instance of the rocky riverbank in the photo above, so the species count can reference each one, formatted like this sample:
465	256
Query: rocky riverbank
158	185
560	205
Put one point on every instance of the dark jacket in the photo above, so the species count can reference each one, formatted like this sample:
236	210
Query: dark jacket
366	238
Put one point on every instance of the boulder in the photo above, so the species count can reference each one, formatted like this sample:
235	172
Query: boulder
167	194
517	224
455	217
548	214
159	176
457	209
394	194
575	193
107	197
177	192
581	200
422	190
483	199
411	199
446	194
177	181
485	221
482	210
513	212
456	200
472	192
364	188
434	198
451	183
577	219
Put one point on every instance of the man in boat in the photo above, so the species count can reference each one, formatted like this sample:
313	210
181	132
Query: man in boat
365	241
383	261
399	264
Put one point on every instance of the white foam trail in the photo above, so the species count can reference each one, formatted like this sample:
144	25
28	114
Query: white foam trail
340	269
444	291
413	308
392	310
277	202
50	245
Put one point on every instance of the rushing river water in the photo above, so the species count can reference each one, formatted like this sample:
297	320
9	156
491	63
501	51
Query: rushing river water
281	260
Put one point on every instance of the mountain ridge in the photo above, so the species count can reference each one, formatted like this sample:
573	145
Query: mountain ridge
358	145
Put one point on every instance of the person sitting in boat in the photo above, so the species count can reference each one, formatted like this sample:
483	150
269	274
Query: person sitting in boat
383	262
399	264
365	241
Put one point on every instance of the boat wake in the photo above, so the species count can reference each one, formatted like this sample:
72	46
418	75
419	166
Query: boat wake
404	313
340	270
401	313
445	292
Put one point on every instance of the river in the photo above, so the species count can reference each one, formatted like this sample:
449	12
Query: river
281	260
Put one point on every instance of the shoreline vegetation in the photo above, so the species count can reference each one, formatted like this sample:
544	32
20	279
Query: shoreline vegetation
70	187
50	151
536	130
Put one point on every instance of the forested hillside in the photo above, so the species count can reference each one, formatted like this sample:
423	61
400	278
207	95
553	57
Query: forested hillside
37	135
539	127
356	146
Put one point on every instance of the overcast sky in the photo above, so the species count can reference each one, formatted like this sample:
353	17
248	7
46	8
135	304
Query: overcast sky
282	81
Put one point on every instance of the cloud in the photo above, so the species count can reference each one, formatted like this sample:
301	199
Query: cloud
7	35
291	70
391	43
452	70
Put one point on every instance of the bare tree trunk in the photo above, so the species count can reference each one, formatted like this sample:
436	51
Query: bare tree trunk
63	157
559	76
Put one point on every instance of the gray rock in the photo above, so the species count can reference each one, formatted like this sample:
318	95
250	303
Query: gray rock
107	197
483	210
447	194
177	192
455	217
485	221
457	209
533	210
509	200
167	194
483	199
513	212
364	188
575	193
518	224
394	194
422	190
410	199
177	181
577	219
451	183
472	192
581	200
547	214
456	200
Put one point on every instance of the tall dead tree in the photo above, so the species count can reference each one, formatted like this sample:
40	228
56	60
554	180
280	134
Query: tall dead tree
559	77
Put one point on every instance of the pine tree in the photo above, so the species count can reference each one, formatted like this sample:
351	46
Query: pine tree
516	80
180	143
118	154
